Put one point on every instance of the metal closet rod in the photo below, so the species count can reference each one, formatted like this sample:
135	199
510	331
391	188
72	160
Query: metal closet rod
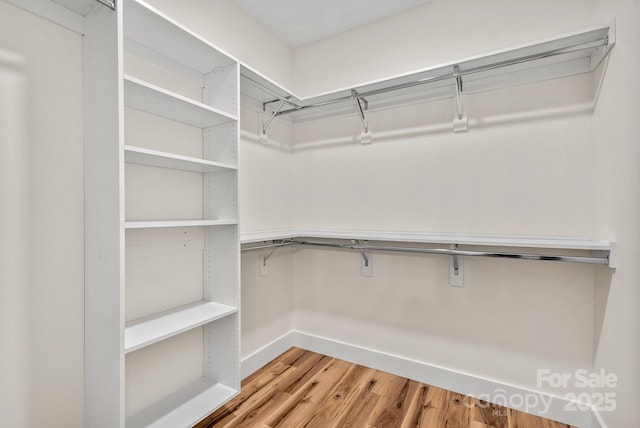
442	251
453	74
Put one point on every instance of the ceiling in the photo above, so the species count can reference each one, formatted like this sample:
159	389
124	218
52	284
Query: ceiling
299	22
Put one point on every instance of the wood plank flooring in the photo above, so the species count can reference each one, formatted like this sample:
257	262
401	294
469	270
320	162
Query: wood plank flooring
304	389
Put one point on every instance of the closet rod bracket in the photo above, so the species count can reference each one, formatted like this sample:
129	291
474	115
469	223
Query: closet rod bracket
286	99
460	120
363	105
273	116
365	258
266	258
456	268
367	262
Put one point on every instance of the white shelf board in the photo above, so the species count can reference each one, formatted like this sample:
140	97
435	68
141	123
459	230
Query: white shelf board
574	243
151	28
564	55
176	223
150	330
253	237
144	96
148	157
185	407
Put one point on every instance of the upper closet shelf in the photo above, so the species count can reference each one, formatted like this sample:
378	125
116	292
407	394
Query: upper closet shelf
172	45
153	99
602	253
142	156
565	55
569	243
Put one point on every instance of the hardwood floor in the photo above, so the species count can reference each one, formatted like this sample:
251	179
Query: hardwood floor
305	389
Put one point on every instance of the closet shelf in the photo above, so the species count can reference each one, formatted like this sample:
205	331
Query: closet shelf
432	238
602	253
565	55
144	96
171	44
142	156
185	407
176	223
147	331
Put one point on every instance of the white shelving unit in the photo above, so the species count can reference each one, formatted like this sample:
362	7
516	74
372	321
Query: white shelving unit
118	391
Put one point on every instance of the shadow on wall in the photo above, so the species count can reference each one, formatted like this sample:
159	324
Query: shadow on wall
267	294
540	308
14	232
538	102
602	286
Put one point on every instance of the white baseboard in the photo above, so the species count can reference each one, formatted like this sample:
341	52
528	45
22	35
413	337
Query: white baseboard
262	356
460	382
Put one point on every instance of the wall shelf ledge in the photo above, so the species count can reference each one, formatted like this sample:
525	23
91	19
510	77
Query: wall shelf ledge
600	252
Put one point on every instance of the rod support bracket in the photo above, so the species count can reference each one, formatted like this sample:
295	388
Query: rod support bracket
363	105
365	258
266	258
366	267
460	119
273	116
456	269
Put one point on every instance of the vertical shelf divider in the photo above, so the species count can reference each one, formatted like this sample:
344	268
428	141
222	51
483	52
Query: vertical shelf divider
104	220
222	244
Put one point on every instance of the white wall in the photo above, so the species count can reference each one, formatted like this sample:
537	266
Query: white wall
510	319
265	205
440	31
42	236
266	175
267	301
526	167
14	218
522	169
229	27
616	131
